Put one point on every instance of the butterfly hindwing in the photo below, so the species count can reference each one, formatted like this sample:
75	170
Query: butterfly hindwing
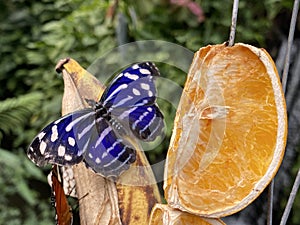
146	122
67	179
69	182
62	141
108	154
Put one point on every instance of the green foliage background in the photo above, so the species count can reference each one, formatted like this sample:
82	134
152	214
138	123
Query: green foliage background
36	34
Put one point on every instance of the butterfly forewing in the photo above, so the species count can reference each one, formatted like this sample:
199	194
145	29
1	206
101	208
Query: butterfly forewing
134	85
62	142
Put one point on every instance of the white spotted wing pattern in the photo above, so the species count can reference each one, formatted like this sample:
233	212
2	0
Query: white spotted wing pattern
96	135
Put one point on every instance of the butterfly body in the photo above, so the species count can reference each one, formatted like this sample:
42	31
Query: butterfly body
97	136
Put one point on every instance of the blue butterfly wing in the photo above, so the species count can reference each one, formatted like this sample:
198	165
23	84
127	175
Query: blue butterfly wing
146	122
95	136
76	137
63	142
130	98
134	86
108	154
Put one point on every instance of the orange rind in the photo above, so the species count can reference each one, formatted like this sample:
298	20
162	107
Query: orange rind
165	215
229	133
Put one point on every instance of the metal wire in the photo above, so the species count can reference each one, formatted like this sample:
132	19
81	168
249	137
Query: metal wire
291	200
233	22
289	45
270	203
284	84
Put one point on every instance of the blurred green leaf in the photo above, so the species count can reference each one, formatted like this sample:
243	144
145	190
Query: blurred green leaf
14	112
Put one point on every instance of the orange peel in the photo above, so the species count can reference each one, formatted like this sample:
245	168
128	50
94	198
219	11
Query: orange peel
163	214
229	133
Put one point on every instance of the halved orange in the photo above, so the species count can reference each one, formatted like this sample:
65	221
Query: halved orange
229	134
164	215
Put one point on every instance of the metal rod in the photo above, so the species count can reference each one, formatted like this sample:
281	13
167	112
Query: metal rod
289	45
233	22
291	200
270	203
284	83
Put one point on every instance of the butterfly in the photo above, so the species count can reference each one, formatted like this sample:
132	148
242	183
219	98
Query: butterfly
63	211
96	135
66	178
